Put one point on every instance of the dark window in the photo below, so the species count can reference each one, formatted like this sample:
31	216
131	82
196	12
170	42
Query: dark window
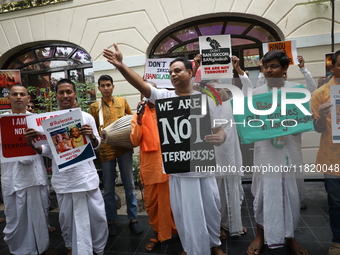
44	65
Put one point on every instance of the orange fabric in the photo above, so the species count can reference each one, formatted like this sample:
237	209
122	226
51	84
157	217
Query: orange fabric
157	205
150	160
112	111
150	131
329	152
156	183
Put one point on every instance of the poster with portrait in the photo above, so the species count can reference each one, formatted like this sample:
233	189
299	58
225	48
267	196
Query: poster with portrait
34	121
216	57
68	146
8	78
157	71
14	146
288	46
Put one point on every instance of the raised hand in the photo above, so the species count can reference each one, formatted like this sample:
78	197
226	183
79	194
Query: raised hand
114	57
301	61
198	59
235	61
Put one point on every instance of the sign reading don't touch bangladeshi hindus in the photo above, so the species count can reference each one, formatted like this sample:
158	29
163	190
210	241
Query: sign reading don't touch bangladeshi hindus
182	123
279	122
216	57
157	71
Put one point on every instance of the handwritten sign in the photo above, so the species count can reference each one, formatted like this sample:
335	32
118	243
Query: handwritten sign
216	57
67	148
287	46
182	128
13	142
157	71
252	128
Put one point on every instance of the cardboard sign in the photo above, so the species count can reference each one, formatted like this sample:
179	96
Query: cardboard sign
157	71
182	128
14	146
67	152
252	128
335	112
216	57
288	46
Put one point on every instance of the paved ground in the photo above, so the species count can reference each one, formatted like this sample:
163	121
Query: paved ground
313	231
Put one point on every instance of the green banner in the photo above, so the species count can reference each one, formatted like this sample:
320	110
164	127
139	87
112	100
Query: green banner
252	127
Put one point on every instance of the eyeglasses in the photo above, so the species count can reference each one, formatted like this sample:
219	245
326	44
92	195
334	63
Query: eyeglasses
272	66
30	106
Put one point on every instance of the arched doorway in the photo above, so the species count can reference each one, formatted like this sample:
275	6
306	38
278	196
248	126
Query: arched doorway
45	64
42	66
247	35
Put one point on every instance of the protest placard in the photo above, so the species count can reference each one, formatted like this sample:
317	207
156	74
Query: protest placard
8	78
252	127
288	46
182	127
157	71
216	57
335	112
34	121
69	148
14	146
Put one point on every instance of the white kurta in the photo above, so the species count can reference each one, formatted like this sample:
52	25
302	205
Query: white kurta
229	157
25	192
194	200
82	212
276	203
310	85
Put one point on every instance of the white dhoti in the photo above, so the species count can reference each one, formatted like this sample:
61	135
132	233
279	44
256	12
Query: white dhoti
195	206
276	206
231	196
26	211
83	222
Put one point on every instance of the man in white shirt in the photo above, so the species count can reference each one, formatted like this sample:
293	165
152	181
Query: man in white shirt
25	191
194	196
81	205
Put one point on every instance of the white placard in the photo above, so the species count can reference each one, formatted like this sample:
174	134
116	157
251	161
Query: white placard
66	152
216	57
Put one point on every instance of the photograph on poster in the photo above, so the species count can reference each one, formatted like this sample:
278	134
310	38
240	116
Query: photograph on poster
77	139
61	140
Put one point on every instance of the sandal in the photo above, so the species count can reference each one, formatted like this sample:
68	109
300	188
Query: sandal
334	249
254	248
151	245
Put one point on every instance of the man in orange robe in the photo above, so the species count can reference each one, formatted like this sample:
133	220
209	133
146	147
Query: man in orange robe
156	183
